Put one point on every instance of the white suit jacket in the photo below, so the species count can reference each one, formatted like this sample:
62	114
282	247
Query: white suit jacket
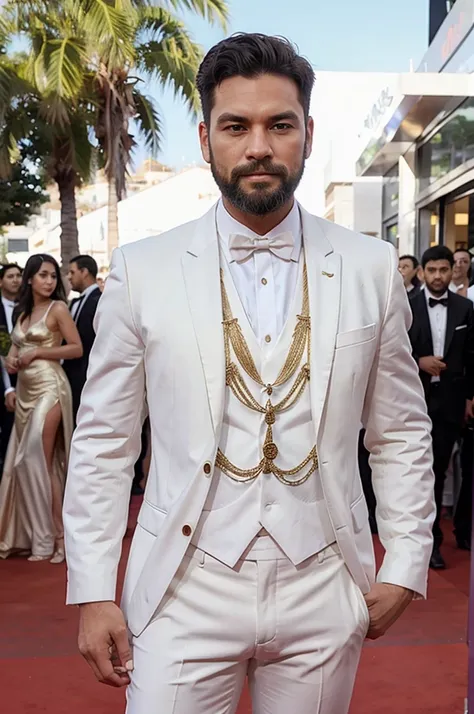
159	340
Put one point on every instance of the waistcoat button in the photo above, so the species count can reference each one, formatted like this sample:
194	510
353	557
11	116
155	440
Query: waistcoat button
186	530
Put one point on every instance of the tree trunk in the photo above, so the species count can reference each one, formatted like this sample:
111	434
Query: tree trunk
112	219
66	181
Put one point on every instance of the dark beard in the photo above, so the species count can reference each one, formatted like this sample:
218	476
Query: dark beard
260	201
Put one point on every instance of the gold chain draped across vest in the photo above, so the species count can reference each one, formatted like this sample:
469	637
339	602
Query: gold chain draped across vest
233	337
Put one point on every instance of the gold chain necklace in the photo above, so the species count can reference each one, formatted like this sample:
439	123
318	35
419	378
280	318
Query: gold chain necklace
233	337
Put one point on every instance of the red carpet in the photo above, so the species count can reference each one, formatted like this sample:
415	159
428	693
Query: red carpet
420	667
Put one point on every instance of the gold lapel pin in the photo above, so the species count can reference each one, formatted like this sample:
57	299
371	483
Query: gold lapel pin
328	275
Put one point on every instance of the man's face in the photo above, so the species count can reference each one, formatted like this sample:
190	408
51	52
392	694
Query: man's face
438	274
462	262
407	270
257	142
11	282
76	277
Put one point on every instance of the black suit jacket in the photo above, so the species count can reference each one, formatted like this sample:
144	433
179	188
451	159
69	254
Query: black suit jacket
4	329
76	369
457	380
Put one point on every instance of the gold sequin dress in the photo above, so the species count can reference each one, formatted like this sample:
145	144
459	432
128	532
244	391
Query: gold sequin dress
26	521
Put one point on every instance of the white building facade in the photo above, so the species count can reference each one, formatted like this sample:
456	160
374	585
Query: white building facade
422	143
342	109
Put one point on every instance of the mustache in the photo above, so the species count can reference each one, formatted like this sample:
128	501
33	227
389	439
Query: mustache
253	167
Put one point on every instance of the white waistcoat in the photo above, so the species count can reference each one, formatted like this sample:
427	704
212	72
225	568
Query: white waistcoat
296	517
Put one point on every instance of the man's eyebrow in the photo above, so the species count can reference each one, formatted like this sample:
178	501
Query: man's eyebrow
229	117
285	115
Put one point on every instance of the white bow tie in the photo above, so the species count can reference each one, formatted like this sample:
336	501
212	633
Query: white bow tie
242	247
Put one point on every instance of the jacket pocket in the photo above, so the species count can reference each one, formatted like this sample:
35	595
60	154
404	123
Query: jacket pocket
151	518
360	514
355	337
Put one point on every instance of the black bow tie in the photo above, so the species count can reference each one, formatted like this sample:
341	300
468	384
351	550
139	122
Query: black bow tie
433	302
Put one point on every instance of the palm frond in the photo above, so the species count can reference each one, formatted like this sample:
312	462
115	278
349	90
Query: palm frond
148	122
169	54
82	147
214	11
111	32
63	65
13	85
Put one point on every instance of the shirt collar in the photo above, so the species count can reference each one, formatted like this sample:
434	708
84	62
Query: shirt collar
10	303
88	290
428	295
227	226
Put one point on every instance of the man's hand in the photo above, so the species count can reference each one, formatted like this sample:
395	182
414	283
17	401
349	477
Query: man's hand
385	603
469	413
103	642
10	401
432	365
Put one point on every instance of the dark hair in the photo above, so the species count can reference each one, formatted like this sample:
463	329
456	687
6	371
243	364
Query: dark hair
9	266
415	281
437	252
250	55
33	266
86	262
412	258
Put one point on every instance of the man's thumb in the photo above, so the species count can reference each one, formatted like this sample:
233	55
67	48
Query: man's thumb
123	650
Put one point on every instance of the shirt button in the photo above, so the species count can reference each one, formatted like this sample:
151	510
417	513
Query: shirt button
207	468
264	281
268	338
186	530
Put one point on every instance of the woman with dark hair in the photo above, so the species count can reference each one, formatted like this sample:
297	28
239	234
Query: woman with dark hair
31	491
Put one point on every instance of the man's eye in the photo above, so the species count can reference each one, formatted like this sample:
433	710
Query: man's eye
282	127
235	128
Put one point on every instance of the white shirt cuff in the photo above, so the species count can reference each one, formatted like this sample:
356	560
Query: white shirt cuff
9	391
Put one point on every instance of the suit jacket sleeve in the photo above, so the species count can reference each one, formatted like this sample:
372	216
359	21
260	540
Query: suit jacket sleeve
399	440
105	446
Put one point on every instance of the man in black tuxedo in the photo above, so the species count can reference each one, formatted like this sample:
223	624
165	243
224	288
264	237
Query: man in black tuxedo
10	277
442	338
83	278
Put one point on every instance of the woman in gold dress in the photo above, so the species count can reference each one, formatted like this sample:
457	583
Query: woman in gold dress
31	490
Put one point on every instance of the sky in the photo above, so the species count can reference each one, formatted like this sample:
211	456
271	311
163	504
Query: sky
336	35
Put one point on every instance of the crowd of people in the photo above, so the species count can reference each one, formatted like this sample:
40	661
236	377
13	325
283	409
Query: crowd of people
441	296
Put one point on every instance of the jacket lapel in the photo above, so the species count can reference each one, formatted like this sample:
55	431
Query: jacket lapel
425	326
201	271
3	317
324	284
451	323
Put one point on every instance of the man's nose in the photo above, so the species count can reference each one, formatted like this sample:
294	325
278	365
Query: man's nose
258	146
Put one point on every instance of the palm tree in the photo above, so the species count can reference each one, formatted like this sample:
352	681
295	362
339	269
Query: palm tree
56	139
88	58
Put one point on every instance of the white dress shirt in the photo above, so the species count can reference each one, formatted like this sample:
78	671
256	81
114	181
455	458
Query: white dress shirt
438	320
78	306
470	293
265	283
8	306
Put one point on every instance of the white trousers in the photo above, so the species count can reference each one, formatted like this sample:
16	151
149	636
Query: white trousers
295	632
